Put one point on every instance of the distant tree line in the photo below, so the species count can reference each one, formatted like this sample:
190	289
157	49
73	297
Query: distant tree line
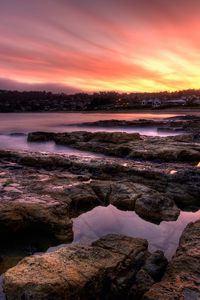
36	101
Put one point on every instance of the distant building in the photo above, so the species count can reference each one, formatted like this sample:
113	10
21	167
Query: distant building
152	102
175	102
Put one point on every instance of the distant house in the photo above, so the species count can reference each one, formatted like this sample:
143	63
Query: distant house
152	102
175	102
156	103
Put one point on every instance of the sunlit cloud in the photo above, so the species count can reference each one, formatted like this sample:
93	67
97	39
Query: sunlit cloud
124	45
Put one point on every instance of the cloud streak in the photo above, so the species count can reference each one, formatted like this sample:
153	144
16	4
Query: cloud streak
101	45
50	87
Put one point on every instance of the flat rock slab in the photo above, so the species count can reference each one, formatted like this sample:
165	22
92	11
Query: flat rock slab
183	148
78	272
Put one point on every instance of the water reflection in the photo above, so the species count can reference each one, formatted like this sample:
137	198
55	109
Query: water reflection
104	220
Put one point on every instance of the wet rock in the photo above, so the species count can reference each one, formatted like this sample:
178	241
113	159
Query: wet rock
101	270
122	144
187	123
151	272
143	282
182	277
146	202
122	123
26	216
156	207
17	134
155	265
121	194
82	197
40	136
184	188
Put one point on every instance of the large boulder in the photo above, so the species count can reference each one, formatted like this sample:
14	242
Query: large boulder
28	216
104	269
147	202
156	207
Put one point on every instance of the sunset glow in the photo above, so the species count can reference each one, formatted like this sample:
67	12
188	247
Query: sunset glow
124	45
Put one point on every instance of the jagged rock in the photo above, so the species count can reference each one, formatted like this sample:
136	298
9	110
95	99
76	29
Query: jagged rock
155	265
184	188
156	207
182	278
121	194
146	202
151	272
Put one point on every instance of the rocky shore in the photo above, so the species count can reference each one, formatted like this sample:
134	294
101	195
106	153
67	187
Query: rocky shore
182	277
114	267
181	148
184	123
41	194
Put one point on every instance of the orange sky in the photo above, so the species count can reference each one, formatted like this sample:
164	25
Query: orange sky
89	45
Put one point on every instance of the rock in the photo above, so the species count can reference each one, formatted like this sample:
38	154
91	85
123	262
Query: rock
82	197
101	270
155	265
143	282
120	194
40	136
17	134
187	124
26	216
146	202
122	144
182	278
122	123
184	188
151	272
156	207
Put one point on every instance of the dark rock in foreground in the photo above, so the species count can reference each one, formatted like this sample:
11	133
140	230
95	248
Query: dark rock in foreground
182	279
105	270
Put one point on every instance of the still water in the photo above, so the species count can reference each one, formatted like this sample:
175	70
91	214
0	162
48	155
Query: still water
57	122
89	227
165	236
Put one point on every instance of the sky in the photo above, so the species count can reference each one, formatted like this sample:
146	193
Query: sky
93	45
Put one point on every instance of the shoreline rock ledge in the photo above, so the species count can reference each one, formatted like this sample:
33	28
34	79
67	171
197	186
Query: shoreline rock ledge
114	267
182	278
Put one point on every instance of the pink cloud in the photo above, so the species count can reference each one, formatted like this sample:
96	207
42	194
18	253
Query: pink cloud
125	44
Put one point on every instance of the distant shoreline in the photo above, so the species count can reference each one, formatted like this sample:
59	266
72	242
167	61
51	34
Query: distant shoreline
127	111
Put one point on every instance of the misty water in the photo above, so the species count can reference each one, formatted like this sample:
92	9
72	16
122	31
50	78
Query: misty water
15	126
